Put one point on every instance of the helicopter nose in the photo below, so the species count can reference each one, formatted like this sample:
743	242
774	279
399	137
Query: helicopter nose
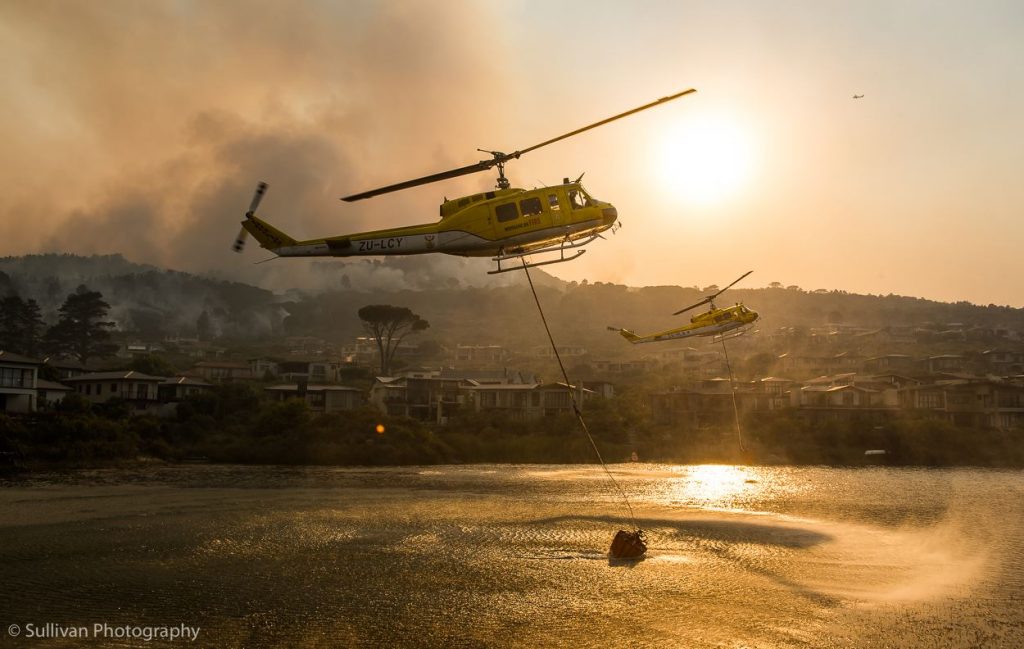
609	214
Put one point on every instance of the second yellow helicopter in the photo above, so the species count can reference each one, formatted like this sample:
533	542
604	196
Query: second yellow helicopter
723	323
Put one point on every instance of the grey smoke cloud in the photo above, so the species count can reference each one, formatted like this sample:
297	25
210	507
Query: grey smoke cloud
142	128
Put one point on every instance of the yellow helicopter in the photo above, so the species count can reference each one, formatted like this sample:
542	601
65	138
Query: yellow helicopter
721	323
504	224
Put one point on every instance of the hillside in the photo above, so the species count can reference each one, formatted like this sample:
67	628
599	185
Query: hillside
474	310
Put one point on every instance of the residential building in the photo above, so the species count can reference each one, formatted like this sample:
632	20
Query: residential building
140	390
978	402
320	398
65	368
480	354
221	371
49	393
180	387
525	402
18	377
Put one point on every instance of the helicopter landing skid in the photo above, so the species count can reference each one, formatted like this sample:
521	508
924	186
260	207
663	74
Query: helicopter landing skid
730	335
560	249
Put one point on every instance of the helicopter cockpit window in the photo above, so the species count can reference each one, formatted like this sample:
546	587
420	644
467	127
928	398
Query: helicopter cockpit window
530	206
553	202
576	199
506	212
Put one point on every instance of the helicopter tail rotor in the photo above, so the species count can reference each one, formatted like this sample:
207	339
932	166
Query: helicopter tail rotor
243	234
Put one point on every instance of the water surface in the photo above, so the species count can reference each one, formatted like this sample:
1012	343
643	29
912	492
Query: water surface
516	555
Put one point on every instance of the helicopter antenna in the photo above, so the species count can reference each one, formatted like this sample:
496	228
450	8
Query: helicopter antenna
710	299
498	159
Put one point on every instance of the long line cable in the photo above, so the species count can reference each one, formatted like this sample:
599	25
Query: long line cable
575	404
732	389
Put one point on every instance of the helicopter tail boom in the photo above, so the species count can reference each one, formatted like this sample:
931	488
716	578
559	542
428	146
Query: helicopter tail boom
267	235
627	334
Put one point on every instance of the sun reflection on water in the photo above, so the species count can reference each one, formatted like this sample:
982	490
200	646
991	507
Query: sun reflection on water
716	485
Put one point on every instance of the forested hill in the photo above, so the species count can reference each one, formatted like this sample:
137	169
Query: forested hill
580	313
143	298
151	300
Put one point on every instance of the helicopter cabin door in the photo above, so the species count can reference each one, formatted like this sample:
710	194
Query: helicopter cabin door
553	201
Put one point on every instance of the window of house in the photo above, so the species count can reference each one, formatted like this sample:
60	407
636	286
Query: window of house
506	212
556	400
535	399
530	206
929	400
88	388
113	387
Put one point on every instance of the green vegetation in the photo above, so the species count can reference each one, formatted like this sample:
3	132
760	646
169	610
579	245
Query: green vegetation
234	424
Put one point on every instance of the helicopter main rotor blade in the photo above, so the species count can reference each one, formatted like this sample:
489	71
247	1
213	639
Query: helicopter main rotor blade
601	123
483	165
501	158
694	306
712	297
730	285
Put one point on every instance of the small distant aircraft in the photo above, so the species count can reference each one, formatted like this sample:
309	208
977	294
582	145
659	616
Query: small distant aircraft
715	322
858	96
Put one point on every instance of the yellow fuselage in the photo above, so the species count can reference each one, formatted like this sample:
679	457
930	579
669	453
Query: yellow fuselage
503	221
710	323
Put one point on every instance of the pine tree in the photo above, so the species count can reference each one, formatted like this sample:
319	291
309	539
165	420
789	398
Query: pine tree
81	330
20	325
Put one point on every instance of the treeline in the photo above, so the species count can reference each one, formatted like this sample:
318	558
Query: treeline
236	424
144	300
81	330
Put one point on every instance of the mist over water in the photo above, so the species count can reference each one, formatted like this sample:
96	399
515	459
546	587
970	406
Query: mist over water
516	555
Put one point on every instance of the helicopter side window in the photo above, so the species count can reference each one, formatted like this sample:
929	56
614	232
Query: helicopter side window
553	202
506	212
530	206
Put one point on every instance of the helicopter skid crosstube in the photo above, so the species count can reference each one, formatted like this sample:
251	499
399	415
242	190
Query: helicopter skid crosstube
560	249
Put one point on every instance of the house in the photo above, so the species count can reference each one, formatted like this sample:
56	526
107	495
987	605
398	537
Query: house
773	393
64	368
180	387
221	371
320	398
603	389
312	370
438	395
526	402
977	402
945	363
140	390
49	393
564	351
18	377
427	395
1003	362
485	354
844	392
700	407
624	366
890	363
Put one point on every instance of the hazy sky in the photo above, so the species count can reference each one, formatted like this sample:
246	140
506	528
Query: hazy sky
142	128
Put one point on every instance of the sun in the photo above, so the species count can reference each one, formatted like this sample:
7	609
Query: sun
705	161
